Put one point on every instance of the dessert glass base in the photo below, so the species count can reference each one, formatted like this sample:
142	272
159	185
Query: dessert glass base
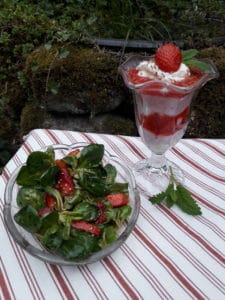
154	174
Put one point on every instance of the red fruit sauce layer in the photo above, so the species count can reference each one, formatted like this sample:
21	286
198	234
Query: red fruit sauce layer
164	125
156	89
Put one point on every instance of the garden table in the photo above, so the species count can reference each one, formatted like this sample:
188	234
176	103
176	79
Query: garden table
169	254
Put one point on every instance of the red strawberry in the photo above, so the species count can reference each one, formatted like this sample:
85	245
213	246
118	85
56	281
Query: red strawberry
44	211
168	58
101	217
118	199
65	184
60	163
74	152
86	226
50	201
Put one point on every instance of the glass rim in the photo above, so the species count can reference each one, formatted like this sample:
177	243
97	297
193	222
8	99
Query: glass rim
127	64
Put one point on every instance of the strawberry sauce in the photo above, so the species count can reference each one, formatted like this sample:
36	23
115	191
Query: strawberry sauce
162	122
164	125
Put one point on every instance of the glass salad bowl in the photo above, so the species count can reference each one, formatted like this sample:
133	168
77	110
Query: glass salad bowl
29	240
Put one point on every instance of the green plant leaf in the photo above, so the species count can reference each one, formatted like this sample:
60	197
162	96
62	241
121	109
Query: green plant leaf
54	87
199	64
48	46
91	155
156	199
171	195
188	54
63	53
186	202
28	218
30	196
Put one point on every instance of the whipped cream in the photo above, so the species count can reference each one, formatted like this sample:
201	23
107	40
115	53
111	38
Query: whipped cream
150	70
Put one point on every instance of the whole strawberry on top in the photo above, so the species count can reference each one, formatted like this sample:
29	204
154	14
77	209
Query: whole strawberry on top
168	58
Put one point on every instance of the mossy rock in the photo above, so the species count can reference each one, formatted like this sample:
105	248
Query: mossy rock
208	110
79	82
7	124
32	117
114	124
10	112
102	123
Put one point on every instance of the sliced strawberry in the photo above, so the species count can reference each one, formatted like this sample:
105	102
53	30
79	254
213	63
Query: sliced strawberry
164	125
50	201
74	152
86	226
168	58
135	78
118	199
45	210
65	184
60	163
101	218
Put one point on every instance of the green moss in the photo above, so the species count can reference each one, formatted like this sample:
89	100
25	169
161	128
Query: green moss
114	124
32	117
208	111
7	125
89	76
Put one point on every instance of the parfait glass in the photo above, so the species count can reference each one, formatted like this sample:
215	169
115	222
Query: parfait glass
162	111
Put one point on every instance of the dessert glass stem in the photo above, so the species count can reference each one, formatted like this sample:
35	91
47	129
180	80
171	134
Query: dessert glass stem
158	161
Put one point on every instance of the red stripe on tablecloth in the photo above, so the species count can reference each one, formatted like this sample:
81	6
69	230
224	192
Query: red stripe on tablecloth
5	291
62	282
90	140
204	155
210	146
212	226
184	252
25	267
145	272
193	234
209	188
52	136
93	283
7	279
132	147
5	283
120	279
175	272
206	203
197	166
25	145
5	174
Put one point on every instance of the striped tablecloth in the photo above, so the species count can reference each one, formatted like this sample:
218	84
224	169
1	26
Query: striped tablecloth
169	255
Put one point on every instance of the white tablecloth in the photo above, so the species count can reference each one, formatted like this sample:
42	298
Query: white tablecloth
169	255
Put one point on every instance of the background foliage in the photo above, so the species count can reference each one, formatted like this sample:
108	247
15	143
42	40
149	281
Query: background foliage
26	24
